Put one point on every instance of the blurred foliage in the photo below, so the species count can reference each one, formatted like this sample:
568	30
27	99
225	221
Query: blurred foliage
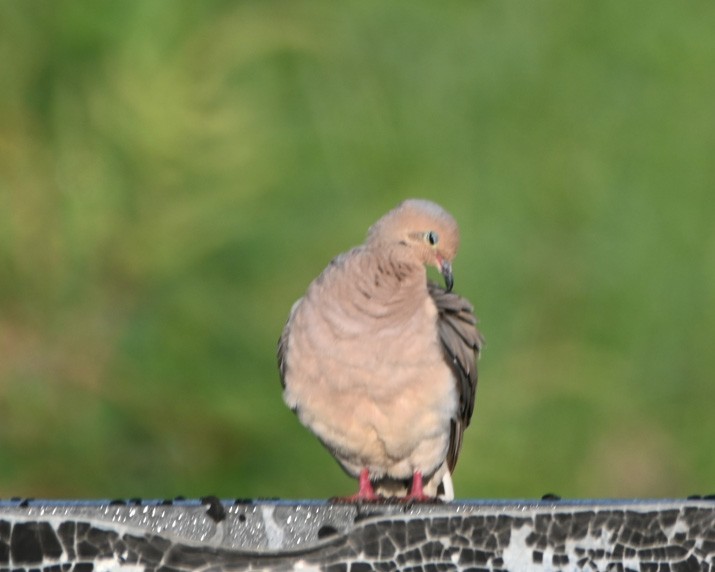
173	174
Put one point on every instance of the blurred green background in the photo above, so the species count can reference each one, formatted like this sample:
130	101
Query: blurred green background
174	173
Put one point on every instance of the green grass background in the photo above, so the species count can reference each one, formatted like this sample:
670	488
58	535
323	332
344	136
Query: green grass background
174	173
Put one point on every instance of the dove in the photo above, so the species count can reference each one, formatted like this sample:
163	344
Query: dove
380	363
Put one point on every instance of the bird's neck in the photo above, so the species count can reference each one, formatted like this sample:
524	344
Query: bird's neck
392	276
380	286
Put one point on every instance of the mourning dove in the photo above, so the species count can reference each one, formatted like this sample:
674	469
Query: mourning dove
380	364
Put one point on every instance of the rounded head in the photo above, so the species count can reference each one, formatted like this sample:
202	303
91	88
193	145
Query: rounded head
430	232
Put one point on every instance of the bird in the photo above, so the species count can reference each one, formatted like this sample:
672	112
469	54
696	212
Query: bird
380	363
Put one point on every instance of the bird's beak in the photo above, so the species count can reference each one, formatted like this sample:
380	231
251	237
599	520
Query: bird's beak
446	269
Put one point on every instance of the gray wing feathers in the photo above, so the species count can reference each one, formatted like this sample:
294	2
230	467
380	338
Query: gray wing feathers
282	349
283	345
461	344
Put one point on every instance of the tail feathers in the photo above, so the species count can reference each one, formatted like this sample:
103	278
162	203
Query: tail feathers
439	485
447	488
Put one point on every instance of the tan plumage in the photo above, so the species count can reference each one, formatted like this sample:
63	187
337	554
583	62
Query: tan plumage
379	363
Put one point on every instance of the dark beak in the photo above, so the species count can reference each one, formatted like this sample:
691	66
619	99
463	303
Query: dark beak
446	270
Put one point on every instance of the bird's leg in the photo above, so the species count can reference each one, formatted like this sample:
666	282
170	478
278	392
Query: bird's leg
417	492
365	492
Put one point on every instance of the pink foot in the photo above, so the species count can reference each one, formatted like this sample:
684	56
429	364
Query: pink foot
417	492
365	492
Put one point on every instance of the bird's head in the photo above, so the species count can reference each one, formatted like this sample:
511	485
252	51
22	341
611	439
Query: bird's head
423	232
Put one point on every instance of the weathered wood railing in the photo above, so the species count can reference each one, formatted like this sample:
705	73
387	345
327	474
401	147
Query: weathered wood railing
462	535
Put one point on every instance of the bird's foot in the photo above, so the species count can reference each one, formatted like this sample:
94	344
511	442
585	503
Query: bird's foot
356	498
417	493
410	498
366	492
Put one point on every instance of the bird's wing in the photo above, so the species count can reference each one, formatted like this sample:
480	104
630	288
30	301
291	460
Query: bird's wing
461	343
283	345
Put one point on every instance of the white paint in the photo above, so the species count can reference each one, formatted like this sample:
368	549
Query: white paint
304	566
109	565
517	556
274	533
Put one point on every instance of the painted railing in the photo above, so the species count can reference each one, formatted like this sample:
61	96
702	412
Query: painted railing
209	534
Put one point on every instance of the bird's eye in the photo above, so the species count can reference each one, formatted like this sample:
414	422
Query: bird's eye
432	237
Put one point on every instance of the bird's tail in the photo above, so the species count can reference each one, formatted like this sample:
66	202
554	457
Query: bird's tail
446	489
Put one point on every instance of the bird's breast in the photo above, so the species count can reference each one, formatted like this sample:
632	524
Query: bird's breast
371	364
